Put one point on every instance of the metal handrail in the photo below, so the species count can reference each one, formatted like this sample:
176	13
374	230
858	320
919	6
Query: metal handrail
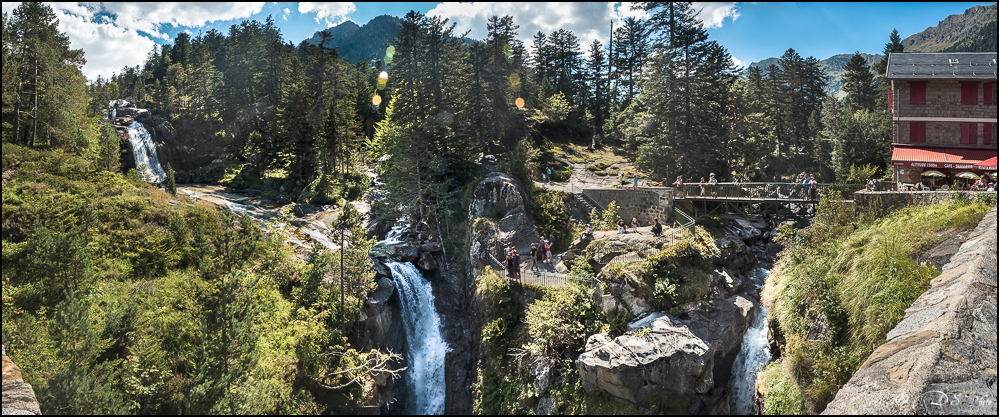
778	191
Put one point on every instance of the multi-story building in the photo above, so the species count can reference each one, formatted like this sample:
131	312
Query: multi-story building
944	113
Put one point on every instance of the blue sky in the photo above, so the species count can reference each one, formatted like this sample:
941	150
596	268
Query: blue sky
117	34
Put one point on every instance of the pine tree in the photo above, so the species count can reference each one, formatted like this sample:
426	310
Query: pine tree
858	83
171	183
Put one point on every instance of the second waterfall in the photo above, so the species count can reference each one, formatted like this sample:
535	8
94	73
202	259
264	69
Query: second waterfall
427	349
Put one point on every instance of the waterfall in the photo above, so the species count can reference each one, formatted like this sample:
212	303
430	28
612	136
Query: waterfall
753	356
427	348
145	151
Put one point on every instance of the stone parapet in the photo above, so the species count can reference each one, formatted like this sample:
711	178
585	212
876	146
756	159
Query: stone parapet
18	396
941	359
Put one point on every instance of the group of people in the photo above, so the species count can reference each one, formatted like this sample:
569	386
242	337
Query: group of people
540	252
704	185
657	228
809	186
625	183
981	185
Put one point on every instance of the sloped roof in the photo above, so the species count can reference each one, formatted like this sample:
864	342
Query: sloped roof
942	65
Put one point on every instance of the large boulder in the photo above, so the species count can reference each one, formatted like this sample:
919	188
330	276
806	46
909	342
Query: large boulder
426	262
679	358
670	360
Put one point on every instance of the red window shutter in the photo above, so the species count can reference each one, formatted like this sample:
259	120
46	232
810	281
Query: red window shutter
891	99
917	93
989	91
987	133
969	133
917	132
969	93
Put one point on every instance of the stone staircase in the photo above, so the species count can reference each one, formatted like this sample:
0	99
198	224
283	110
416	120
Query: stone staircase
586	203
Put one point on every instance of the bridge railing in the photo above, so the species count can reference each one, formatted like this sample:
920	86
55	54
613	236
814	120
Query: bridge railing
766	191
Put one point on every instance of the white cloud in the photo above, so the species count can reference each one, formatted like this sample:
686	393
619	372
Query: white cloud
148	17
108	48
329	13
588	21
113	42
738	62
714	14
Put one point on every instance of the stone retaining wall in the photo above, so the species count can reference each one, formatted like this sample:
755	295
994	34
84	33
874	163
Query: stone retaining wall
645	203
941	359
894	200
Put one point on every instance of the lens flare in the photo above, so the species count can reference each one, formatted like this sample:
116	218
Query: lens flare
382	80
519	103
376	100
515	80
389	54
508	52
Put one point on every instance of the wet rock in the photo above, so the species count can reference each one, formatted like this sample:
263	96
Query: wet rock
547	407
427	262
431	247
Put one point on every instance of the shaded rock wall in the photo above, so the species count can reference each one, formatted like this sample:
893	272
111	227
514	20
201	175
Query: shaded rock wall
941	359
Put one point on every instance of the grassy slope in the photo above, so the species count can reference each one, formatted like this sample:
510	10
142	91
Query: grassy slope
840	287
138	286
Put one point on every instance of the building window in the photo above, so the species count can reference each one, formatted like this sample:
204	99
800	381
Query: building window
987	133
917	132
969	93
969	133
990	94
917	93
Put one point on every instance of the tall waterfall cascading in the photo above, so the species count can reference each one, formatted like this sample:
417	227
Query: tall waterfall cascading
145	151
753	355
427	349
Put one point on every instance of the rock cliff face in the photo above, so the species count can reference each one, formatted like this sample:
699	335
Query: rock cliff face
941	359
501	202
18	396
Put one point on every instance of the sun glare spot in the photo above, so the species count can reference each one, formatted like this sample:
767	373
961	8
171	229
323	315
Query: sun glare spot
519	102
515	80
376	100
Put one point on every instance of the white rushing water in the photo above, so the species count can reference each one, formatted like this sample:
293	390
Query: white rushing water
145	151
753	356
427	348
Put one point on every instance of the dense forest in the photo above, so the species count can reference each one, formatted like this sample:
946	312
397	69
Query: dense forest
123	300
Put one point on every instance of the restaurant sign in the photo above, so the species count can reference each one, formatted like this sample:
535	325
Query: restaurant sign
935	165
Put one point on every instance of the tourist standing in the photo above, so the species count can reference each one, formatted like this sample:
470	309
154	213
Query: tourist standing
634	224
516	264
713	182
636	182
548	251
704	185
534	255
679	186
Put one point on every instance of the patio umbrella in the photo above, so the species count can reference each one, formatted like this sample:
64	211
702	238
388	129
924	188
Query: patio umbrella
934	174
967	175
987	165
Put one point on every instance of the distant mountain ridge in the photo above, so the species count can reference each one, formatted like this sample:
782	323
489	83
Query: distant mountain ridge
958	33
362	43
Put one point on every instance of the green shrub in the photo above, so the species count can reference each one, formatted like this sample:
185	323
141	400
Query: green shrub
559	323
781	394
